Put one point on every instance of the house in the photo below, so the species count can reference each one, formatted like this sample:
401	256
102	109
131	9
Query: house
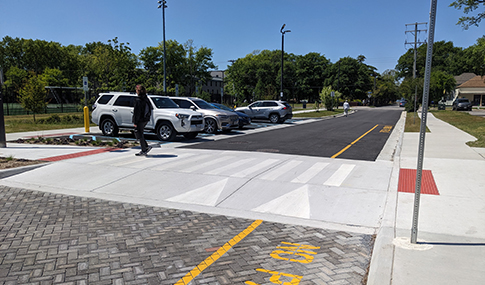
473	89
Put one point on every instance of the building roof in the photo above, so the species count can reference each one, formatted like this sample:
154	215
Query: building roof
464	77
475	82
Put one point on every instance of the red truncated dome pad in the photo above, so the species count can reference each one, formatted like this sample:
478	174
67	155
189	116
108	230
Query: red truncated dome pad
407	182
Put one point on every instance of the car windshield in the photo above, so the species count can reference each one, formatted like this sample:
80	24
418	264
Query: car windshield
203	104
163	102
462	100
223	107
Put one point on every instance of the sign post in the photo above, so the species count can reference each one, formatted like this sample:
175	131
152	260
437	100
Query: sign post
3	141
86	109
424	114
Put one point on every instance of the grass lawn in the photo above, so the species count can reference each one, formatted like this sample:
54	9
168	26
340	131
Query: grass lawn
318	114
474	125
25	123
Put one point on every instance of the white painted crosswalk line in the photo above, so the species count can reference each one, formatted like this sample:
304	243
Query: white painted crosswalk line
207	164
310	173
254	168
294	204
282	170
340	175
206	195
178	162
229	166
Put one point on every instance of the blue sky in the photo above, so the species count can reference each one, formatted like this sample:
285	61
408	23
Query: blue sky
235	28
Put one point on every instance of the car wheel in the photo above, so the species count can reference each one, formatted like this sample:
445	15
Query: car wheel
165	132
274	118
190	136
210	126
109	127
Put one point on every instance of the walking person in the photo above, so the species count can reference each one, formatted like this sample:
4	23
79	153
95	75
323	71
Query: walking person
141	116
346	108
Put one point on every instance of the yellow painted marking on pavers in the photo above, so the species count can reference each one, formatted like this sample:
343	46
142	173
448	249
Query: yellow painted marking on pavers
347	147
275	278
386	129
216	255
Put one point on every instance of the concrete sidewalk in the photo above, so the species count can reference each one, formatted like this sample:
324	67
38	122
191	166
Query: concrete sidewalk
451	225
451	236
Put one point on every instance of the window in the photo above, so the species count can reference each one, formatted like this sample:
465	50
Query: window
162	102
104	99
125	101
183	103
270	104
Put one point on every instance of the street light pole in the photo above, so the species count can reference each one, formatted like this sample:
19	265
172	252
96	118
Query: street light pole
282	56
161	4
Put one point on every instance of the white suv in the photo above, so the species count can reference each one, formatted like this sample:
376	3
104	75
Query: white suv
215	119
113	112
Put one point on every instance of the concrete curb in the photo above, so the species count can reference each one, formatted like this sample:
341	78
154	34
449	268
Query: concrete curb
382	261
4	173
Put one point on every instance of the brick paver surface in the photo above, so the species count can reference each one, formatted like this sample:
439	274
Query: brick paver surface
57	239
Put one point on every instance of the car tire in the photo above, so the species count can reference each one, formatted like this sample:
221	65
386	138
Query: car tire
165	131
210	126
191	136
274	118
109	128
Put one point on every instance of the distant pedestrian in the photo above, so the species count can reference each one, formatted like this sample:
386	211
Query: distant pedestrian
141	116
346	108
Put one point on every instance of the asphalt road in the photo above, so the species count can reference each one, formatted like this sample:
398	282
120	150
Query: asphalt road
359	136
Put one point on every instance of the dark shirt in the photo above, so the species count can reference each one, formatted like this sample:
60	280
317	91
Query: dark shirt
139	109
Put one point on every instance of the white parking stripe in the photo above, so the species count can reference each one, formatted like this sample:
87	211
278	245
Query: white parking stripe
340	175
310	173
255	168
282	170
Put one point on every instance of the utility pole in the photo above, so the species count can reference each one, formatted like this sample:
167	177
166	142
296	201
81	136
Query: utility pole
3	140
415	43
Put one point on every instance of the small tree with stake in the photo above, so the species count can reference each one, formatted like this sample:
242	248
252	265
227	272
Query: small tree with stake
32	96
327	99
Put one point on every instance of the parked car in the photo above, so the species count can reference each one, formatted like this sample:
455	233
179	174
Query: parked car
243	118
462	104
275	111
113	112
215	119
402	103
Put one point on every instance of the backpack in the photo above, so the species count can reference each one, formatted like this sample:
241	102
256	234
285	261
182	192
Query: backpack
147	111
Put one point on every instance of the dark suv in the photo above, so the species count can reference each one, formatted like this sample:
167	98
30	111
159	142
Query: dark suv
462	104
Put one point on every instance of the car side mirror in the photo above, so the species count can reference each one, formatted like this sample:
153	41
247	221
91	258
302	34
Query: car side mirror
192	108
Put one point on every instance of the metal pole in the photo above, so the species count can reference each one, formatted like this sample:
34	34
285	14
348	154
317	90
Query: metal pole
164	53
424	114
282	55
414	71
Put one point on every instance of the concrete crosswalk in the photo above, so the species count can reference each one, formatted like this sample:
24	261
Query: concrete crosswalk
335	191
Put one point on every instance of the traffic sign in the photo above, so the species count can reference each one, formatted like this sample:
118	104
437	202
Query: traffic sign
85	83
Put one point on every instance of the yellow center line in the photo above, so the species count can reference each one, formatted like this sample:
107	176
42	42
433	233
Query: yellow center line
216	255
347	147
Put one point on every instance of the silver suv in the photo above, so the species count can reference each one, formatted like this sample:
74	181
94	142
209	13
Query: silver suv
215	119
113	112
275	111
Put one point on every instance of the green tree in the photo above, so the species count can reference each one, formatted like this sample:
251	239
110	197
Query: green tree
351	77
474	57
32	96
446	57
310	72
387	89
468	7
